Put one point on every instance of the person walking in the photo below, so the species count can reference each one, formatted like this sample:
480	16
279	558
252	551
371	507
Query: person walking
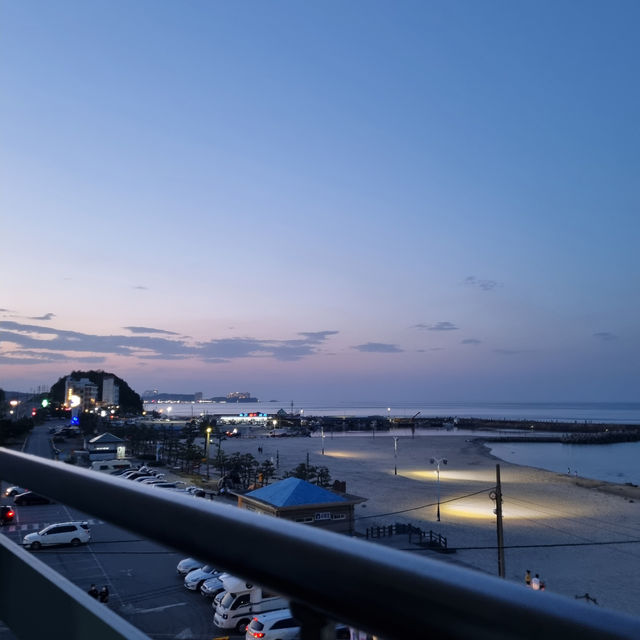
93	591
527	578
103	596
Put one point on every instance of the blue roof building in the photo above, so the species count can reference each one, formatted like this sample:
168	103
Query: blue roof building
300	501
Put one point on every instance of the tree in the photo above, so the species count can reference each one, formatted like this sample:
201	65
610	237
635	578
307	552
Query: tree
310	473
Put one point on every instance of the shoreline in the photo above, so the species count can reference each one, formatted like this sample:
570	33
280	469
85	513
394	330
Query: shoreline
623	490
580	535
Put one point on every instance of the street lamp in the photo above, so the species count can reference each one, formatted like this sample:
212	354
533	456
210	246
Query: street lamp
207	449
322	436
395	455
437	462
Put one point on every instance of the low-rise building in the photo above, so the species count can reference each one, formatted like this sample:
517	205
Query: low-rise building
300	501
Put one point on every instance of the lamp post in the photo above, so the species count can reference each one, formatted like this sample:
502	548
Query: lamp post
437	462
322	436
207	449
395	455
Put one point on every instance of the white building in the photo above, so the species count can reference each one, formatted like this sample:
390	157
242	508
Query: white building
81	393
110	392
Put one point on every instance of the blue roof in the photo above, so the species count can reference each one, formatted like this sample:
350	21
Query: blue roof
292	492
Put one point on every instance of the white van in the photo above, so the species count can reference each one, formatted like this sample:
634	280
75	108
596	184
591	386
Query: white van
110	465
242	601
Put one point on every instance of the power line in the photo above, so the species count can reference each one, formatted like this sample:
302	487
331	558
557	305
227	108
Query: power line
425	506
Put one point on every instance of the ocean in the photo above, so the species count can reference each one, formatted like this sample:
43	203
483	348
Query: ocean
608	412
610	462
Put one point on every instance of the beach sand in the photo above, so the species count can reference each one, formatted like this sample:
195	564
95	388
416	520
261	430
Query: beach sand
558	526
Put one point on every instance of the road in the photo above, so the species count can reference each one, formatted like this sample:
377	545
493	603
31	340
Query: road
144	586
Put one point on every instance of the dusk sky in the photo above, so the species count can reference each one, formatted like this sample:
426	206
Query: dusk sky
329	201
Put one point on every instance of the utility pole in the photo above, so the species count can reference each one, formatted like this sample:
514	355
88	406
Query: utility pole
497	496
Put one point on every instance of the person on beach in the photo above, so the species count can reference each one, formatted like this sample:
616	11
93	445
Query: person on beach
535	583
103	596
93	591
527	578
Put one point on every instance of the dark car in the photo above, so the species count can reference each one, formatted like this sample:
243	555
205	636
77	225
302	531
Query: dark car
28	497
7	514
13	491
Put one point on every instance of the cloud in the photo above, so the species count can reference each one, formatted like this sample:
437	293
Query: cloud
377	347
485	285
317	336
470	341
140	287
605	336
33	344
46	316
149	330
438	326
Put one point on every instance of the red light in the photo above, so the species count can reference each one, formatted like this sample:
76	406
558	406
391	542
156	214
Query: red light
257	634
10	514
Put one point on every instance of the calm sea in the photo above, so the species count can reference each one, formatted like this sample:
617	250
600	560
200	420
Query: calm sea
612	462
609	412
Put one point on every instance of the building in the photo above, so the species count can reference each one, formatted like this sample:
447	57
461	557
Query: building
110	392
81	393
106	446
300	501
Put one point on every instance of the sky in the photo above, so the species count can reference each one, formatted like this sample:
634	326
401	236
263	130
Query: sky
329	201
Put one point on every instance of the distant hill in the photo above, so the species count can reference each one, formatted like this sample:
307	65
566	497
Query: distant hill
130	401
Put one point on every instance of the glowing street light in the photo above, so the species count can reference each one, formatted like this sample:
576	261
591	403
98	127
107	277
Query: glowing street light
322	436
437	462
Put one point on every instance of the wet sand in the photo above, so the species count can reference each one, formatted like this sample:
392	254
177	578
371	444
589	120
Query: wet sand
558	526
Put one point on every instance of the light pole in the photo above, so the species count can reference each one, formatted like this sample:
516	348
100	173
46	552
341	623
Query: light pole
395	455
437	462
207	449
322	436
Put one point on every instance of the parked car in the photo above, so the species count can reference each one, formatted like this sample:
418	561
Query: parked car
7	514
188	564
13	491
73	533
28	497
194	579
211	587
280	625
274	625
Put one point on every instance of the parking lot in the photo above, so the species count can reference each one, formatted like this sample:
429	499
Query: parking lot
141	575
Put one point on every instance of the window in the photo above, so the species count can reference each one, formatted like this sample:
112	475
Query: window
286	624
338	516
241	601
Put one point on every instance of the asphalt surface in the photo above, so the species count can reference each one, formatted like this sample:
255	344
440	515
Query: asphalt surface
141	576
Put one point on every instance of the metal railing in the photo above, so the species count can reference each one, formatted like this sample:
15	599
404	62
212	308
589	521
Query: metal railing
327	576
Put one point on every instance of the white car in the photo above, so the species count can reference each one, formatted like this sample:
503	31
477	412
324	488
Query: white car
73	533
188	564
194	579
279	624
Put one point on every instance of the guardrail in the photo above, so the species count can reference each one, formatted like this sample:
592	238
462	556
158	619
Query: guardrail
327	576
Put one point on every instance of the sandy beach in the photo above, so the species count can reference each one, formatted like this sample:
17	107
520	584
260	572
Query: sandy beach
581	536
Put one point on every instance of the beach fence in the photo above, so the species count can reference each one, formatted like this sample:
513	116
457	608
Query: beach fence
428	539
